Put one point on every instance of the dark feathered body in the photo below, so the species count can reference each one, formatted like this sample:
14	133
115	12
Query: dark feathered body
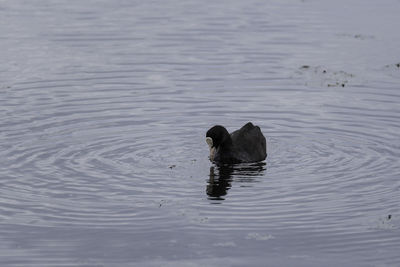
247	144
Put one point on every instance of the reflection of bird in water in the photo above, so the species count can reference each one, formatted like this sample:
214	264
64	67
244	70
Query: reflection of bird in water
220	183
221	177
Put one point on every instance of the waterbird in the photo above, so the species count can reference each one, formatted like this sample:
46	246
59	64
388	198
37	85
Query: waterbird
247	144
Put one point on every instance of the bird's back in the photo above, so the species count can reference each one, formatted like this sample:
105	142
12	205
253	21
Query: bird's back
249	143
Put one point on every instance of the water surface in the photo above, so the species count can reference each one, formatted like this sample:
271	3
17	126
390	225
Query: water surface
104	108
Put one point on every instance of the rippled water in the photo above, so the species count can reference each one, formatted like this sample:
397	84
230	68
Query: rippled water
104	108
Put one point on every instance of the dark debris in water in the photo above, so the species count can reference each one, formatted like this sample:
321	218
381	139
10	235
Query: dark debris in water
322	76
162	202
387	222
396	65
357	36
172	166
392	69
336	84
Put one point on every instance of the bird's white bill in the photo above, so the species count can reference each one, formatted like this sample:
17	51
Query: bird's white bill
209	142
212	153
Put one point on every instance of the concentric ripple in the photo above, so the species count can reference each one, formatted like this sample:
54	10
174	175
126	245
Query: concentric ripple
82	161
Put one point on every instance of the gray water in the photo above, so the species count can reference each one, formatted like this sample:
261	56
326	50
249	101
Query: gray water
104	108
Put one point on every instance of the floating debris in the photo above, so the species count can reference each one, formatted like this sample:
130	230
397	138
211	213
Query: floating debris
357	36
172	166
322	76
162	201
392	69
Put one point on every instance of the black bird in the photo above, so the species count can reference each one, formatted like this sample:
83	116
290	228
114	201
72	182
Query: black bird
247	144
